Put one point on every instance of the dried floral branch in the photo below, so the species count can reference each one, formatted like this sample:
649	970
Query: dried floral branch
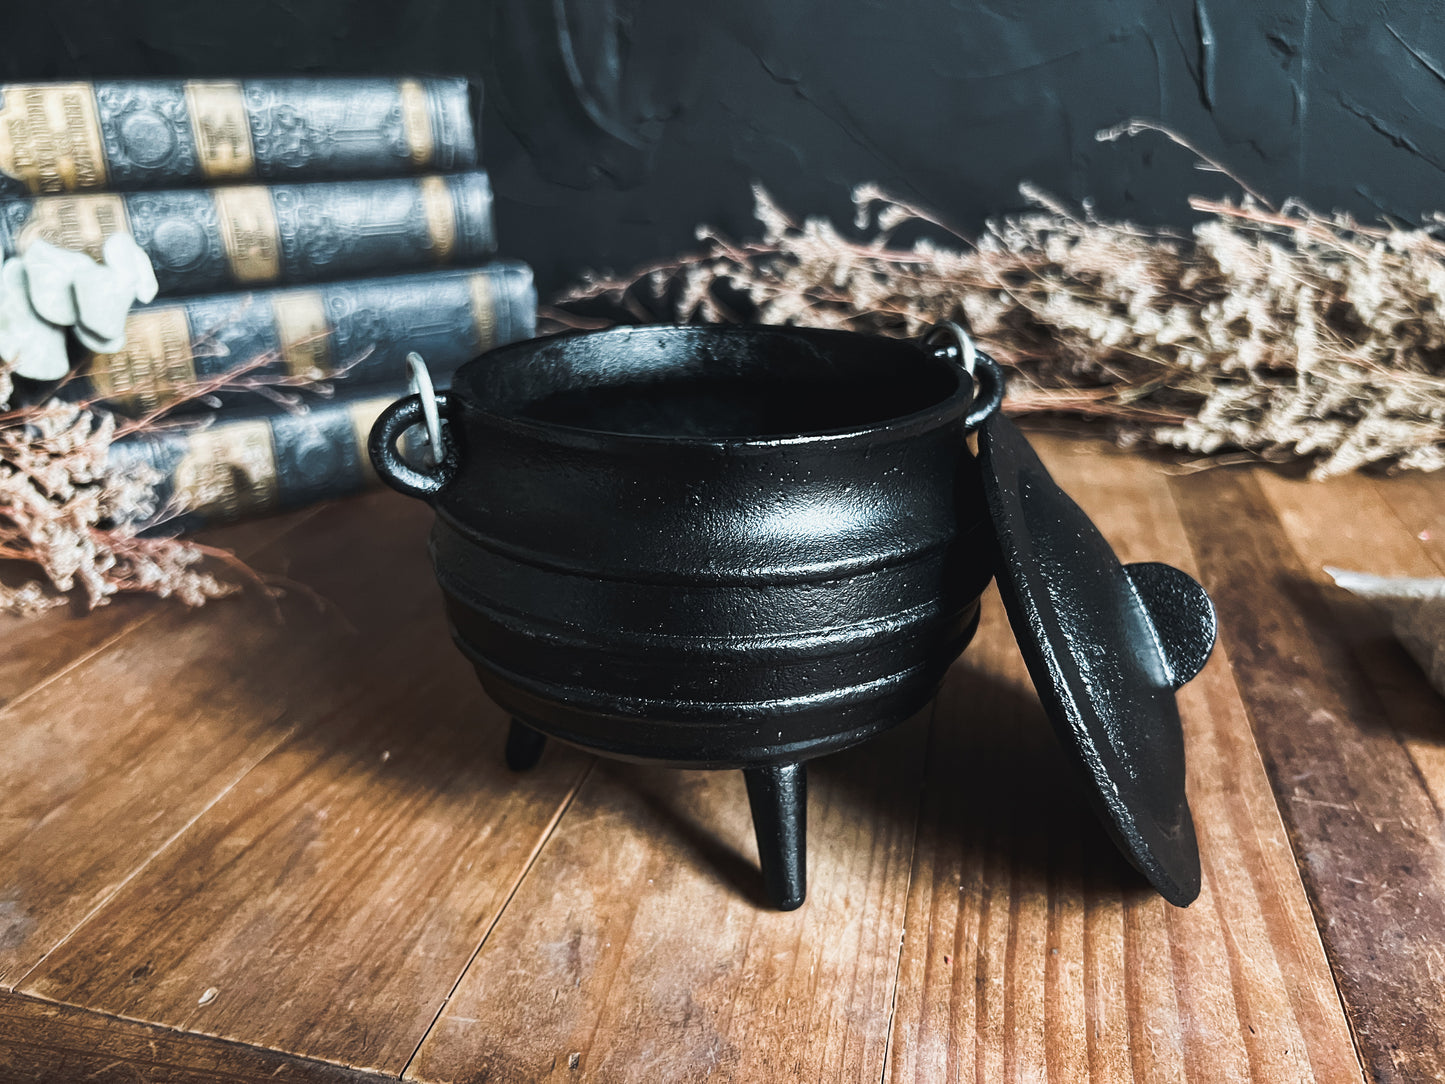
57	503
1280	333
1135	125
89	528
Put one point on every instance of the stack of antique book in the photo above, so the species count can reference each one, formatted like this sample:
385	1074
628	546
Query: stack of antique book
301	230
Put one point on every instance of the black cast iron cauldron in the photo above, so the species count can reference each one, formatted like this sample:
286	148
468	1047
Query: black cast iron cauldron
744	547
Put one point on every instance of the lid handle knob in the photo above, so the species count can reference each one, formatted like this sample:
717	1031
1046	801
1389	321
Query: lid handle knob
1182	616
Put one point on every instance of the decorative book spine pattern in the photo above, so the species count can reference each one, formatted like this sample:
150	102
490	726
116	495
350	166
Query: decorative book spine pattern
246	235
257	462
124	136
364	328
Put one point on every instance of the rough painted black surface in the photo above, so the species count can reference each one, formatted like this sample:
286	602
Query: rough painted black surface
775	578
613	127
1107	645
775	581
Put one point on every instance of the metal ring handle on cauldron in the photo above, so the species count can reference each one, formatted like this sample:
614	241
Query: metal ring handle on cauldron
396	471
985	373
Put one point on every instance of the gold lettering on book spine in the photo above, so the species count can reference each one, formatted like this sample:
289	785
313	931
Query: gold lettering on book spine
441	216
304	333
364	413
221	129
81	223
416	122
484	310
50	136
249	232
157	363
228	471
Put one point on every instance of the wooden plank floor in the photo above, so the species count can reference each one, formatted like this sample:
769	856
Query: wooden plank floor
236	848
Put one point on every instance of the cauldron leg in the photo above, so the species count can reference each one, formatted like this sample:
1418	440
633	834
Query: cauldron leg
524	746
778	795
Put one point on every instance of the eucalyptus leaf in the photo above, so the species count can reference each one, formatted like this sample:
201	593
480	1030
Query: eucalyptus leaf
33	347
50	274
103	296
122	253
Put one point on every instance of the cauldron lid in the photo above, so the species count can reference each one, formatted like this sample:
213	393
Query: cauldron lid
1107	646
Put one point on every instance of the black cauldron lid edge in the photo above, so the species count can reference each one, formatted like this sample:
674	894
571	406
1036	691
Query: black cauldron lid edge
1106	645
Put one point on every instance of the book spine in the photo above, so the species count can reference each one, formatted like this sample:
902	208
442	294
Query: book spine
246	235
255	463
361	330
127	136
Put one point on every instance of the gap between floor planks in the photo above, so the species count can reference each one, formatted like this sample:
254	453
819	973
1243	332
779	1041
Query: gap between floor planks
43	1042
521	878
37	789
364	854
541	858
599	966
1388	939
1275	1015
1365	830
65	637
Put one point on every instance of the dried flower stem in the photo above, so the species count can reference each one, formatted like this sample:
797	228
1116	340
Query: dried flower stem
1279	333
64	511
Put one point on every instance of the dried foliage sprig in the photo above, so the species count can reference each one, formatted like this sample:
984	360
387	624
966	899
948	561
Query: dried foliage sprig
62	511
67	514
1281	333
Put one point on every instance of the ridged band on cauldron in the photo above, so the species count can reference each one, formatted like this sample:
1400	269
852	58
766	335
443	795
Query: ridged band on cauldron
579	607
707	676
752	650
769	510
721	735
743	743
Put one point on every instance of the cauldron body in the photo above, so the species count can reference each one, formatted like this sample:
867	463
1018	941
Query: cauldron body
734	547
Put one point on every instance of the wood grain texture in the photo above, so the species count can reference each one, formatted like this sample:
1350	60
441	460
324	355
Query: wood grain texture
107	762
326	904
307	827
1418	500
45	1043
639	947
1034	953
35	650
1356	523
1366	833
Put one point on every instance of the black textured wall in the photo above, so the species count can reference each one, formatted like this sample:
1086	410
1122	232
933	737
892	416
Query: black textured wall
613	127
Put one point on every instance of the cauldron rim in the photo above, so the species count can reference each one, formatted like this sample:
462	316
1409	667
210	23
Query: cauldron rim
947	410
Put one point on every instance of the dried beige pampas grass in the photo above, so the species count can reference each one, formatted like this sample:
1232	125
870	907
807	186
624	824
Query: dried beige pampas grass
1279	333
93	531
64	513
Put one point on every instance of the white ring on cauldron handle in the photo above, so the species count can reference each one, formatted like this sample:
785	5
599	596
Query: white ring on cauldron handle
968	353
421	387
948	340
